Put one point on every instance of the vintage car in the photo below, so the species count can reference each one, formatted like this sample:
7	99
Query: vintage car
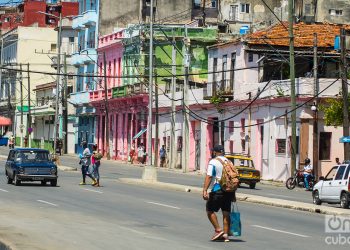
30	164
245	166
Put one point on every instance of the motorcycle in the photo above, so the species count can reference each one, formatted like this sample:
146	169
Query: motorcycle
298	179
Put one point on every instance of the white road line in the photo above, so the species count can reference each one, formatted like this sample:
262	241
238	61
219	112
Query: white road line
163	205
281	231
95	191
48	203
3	190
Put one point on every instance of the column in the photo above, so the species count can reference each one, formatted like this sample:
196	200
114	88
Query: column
100	144
192	148
115	132
125	130
120	135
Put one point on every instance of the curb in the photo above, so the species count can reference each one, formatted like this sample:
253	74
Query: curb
294	205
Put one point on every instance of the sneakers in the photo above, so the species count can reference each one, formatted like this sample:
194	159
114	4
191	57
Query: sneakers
82	183
93	183
217	235
225	238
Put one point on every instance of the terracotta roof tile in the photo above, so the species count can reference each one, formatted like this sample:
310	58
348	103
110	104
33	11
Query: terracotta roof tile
277	35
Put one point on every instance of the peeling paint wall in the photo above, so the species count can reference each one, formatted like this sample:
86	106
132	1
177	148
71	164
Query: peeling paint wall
333	11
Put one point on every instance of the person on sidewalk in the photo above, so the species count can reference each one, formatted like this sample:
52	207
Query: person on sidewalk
217	199
132	153
337	161
307	173
96	163
162	155
85	161
141	153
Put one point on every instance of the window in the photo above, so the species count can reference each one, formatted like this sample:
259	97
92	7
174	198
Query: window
179	143
334	12
281	146
245	8
197	4
340	173
243	125
346	176
325	146
234	13
53	46
243	144
331	174
232	74
250	57
213	4
231	125
224	69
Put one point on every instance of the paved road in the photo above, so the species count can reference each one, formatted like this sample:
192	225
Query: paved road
133	217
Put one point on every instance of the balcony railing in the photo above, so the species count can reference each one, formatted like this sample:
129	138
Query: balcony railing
223	88
129	90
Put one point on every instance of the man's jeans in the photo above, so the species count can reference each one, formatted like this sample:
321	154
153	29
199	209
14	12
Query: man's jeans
306	180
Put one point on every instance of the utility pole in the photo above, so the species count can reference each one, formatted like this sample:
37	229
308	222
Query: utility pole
150	173
65	106
249	125
203	12
106	105
185	125
315	122
292	85
156	139
173	109
344	76
58	80
21	92
29	118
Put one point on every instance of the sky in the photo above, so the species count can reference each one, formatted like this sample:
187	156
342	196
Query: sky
9	1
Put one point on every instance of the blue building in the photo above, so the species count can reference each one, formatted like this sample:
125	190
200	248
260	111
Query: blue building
85	60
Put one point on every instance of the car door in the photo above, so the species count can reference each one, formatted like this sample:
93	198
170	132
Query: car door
8	164
337	183
325	192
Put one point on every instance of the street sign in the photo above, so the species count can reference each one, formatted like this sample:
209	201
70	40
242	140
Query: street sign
344	139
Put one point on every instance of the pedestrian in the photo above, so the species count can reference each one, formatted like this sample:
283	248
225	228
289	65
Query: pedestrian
162	155
85	161
11	141
217	199
307	173
141	153
337	161
96	163
132	153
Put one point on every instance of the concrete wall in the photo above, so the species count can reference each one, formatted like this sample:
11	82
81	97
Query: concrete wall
130	12
324	6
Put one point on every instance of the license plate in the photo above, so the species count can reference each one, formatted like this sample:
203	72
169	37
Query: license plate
38	178
246	175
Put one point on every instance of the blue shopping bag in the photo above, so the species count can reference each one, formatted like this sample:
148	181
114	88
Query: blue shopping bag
235	220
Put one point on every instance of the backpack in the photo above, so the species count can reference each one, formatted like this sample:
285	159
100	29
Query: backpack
98	156
229	179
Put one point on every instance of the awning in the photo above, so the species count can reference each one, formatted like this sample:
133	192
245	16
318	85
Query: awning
139	133
4	121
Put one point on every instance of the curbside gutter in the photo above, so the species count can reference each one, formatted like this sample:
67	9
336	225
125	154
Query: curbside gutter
294	205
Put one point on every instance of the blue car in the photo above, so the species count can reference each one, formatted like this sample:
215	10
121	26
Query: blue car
30	164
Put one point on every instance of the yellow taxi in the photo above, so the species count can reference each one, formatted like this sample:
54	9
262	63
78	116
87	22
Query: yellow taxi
245	166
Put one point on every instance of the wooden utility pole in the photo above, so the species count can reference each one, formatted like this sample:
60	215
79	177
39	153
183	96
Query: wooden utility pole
156	136
249	125
106	105
344	76
65	105
315	120
21	92
185	124
173	109
292	85
29	117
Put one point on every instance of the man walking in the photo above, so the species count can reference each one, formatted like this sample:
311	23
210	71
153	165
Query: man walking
162	154
217	199
85	161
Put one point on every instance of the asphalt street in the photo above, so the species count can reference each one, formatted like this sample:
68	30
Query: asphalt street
118	215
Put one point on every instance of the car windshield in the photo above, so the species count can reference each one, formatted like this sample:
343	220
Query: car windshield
242	162
31	156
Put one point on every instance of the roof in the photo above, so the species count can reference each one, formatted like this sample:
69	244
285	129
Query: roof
277	35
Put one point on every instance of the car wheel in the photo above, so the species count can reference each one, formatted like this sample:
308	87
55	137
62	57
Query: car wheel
290	183
43	183
316	198
344	200
53	183
17	182
9	180
252	185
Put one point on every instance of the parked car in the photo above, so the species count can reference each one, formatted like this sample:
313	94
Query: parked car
30	164
245	166
334	188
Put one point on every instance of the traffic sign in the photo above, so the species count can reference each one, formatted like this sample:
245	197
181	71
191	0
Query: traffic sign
344	139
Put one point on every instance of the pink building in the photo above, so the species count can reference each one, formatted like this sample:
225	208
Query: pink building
126	110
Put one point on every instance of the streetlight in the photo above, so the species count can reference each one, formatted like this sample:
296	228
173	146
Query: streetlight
315	140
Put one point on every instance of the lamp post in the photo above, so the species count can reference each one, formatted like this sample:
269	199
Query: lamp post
315	140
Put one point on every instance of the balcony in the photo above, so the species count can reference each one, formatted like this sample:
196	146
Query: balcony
129	90
99	95
90	18
224	88
84	57
78	23
79	98
44	108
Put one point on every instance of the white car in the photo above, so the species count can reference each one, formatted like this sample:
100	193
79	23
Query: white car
334	188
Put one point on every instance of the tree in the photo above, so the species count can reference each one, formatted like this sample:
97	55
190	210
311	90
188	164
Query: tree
333	112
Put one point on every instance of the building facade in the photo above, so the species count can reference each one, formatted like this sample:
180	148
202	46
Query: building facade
85	60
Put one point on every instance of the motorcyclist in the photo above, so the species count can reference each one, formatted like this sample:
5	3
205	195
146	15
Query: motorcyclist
307	173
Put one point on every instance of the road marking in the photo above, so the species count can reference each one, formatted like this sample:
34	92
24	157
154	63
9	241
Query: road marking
95	191
48	203
163	205
281	231
3	190
279	195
